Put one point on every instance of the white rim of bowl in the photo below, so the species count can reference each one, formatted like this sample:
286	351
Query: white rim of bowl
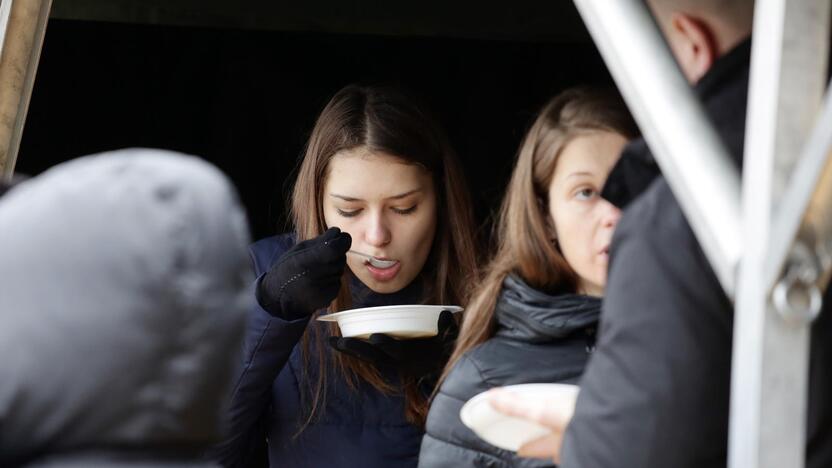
334	317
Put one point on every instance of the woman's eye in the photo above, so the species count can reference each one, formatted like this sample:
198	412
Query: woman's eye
404	211
347	213
585	194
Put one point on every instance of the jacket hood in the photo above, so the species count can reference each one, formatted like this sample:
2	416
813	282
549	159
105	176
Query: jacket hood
526	314
123	288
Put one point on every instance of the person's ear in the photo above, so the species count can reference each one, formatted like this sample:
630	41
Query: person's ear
694	45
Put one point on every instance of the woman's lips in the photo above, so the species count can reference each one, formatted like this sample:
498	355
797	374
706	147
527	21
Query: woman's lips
384	274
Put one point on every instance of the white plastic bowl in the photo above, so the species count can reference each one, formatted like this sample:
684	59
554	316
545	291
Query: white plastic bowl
507	432
398	321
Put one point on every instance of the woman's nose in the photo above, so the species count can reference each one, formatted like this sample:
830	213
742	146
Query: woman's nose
611	214
377	233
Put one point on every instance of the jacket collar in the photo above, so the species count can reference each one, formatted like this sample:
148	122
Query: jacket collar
527	314
732	65
637	169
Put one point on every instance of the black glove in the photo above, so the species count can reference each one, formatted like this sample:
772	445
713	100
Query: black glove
306	278
416	358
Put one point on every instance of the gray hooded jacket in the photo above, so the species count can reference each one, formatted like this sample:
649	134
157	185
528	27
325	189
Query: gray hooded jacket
123	285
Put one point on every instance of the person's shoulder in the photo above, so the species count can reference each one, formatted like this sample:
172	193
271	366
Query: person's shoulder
265	252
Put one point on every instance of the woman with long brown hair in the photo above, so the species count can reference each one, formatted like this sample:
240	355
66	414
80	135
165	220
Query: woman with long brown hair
378	177
533	315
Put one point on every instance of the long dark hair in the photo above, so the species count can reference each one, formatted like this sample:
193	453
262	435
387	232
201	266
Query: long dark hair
383	119
524	230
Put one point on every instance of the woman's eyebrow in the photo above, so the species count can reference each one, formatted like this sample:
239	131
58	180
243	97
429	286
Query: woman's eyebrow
345	198
394	197
405	194
579	173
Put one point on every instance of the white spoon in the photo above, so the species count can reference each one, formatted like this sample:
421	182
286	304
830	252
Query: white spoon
383	264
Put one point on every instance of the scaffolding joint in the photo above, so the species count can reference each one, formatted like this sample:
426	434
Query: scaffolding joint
797	296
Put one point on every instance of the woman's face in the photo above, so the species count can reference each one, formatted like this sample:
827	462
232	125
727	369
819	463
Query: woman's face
389	209
584	222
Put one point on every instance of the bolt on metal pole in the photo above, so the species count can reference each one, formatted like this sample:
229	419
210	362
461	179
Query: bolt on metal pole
22	27
770	362
689	151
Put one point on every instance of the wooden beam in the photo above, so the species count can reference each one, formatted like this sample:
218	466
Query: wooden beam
22	27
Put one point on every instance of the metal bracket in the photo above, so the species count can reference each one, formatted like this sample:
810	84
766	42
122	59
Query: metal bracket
796	297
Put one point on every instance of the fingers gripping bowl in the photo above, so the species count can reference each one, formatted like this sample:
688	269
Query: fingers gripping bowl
509	432
398	321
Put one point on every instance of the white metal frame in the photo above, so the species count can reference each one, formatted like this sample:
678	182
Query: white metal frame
807	196
771	246
771	337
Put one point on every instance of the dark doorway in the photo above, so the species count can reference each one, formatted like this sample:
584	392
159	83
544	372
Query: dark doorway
246	100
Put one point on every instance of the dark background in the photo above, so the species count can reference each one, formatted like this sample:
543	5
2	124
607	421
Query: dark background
246	99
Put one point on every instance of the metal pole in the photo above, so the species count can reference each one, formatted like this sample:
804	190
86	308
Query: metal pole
770	361
690	153
807	202
22	27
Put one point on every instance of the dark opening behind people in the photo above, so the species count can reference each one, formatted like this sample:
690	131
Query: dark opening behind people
379	177
533	315
122	305
656	391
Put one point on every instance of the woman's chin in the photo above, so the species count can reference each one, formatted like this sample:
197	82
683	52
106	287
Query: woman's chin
386	287
384	281
390	286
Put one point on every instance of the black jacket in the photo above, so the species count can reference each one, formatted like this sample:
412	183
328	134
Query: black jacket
539	338
656	392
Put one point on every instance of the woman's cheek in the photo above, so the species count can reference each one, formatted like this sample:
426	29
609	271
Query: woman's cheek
428	226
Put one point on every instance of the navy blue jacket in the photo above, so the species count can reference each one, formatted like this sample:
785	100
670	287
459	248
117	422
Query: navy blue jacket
357	428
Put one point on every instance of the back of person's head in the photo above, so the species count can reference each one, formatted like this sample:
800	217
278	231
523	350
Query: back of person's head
524	231
700	31
124	287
